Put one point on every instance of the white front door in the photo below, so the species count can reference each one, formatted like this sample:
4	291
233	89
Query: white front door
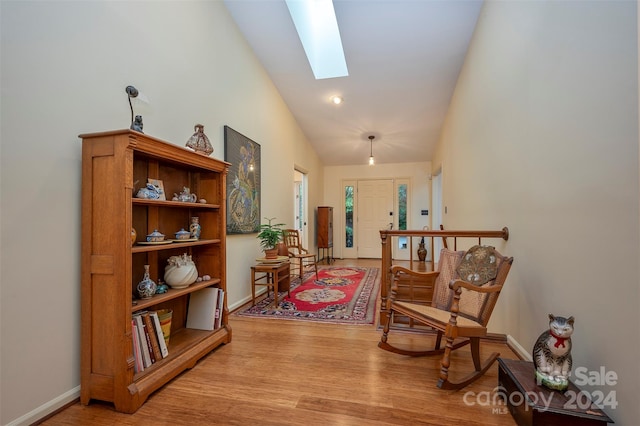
375	212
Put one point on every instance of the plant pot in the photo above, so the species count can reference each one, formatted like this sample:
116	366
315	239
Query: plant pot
271	253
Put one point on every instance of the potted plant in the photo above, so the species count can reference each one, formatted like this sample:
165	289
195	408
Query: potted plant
269	236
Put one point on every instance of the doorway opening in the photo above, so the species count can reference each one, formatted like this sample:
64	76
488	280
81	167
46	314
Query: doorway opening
300	205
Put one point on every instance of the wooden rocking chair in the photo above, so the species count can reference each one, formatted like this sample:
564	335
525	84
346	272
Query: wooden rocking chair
299	255
466	290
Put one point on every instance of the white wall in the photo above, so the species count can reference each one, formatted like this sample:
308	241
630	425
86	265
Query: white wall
65	65
334	196
542	136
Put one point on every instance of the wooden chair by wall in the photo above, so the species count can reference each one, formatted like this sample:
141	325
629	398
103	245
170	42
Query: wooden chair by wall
467	286
300	256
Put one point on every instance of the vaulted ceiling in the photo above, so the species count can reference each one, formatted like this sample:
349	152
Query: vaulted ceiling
403	57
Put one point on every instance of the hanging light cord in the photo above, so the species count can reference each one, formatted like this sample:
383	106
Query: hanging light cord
371	161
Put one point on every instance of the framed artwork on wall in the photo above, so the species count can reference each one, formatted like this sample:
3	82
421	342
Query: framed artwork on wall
243	183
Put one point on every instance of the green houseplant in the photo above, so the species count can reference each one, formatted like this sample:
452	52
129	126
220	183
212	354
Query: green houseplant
270	235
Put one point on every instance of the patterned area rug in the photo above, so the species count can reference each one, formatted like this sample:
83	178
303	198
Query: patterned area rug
343	295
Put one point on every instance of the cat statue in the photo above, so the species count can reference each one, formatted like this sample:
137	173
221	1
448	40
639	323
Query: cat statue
137	124
552	354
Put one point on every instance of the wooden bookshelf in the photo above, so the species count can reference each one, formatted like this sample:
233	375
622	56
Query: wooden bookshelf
115	165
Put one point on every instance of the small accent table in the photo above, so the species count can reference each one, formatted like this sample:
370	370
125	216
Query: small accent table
275	275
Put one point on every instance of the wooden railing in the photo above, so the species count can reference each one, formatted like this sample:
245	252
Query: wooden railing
386	237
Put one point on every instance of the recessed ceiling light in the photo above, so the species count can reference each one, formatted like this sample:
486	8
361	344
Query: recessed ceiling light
336	100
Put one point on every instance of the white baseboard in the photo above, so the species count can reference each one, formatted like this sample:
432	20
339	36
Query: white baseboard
47	408
246	300
518	349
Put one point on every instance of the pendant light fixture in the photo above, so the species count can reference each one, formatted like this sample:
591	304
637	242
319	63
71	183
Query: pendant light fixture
371	160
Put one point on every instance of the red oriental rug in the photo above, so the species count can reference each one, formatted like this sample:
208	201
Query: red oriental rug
343	295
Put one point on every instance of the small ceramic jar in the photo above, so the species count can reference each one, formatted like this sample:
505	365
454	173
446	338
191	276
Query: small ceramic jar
155	237
182	234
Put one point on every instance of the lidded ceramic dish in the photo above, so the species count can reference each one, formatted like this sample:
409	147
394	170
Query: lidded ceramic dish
182	234
155	237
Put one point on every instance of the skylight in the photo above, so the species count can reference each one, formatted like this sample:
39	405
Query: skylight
317	27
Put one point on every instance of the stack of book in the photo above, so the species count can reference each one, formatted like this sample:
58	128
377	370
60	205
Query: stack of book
149	344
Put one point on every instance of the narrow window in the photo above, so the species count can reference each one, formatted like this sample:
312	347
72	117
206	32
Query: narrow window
348	213
402	214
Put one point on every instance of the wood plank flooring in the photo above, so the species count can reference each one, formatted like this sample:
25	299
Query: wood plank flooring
283	372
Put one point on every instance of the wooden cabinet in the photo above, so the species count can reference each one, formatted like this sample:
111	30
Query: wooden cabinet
114	166
324	231
325	227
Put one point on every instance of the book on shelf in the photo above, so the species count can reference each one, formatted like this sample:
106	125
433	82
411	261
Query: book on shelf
202	309
144	349
147	339
138	365
164	350
219	309
152	336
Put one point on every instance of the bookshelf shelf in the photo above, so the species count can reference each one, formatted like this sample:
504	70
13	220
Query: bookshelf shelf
173	245
172	294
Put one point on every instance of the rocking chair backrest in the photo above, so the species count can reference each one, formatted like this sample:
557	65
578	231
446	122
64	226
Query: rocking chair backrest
473	305
481	308
442	294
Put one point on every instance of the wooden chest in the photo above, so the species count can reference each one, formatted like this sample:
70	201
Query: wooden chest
531	404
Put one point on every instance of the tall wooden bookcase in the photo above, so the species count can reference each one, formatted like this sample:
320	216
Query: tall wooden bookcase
115	165
325	232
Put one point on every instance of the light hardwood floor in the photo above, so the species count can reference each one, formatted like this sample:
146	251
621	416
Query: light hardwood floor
283	372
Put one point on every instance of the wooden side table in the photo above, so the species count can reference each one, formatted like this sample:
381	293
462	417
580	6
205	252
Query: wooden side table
275	275
531	404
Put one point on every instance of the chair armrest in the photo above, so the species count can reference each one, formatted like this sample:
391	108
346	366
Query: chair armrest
460	284
397	270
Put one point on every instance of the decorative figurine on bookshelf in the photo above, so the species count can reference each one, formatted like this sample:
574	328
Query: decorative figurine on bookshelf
137	124
185	196
199	142
150	192
195	229
162	287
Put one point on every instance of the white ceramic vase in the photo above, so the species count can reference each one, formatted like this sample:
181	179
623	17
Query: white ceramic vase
180	271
